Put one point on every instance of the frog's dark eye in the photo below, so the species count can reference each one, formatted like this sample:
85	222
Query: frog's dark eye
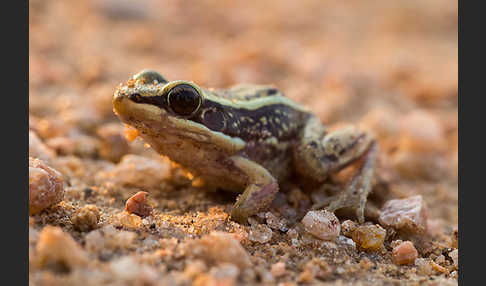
184	99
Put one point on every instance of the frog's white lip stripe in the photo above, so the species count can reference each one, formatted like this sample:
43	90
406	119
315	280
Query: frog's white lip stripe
188	126
156	114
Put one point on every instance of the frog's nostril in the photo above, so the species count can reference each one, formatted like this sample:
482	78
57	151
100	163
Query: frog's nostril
118	96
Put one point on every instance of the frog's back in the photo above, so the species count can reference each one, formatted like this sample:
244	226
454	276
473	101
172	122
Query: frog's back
257	112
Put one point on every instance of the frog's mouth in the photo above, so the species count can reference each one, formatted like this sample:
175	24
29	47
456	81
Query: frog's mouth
153	121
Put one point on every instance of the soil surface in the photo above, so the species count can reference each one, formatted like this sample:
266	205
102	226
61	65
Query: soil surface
386	66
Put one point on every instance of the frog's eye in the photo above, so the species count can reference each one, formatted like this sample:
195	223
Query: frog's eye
184	99
150	76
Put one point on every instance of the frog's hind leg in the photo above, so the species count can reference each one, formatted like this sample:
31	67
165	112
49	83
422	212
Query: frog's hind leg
318	154
259	193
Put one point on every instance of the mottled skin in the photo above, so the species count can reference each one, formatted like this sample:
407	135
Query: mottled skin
246	138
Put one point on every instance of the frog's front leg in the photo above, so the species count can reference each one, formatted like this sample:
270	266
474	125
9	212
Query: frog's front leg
319	154
259	193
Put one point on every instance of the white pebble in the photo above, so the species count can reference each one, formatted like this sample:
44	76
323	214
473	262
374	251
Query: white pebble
322	224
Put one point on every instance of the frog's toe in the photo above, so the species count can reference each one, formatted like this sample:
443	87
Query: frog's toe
253	200
356	200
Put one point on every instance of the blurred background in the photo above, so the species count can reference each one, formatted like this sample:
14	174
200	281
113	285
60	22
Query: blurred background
390	66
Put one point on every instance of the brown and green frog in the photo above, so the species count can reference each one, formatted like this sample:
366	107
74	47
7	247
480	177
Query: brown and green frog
247	138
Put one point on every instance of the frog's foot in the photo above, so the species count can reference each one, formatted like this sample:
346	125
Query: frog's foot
253	200
259	193
356	193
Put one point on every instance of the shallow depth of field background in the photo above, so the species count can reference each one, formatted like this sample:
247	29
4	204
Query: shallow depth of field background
389	66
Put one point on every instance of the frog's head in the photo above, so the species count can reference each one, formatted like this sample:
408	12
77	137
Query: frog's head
176	109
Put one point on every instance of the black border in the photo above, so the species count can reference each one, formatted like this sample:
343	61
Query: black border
15	118
471	189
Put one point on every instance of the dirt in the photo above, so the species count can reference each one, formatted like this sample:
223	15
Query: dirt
387	66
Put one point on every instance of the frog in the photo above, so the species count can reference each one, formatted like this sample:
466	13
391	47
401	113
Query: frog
247	138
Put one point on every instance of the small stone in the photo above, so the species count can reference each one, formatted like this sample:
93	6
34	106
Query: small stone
278	269
316	268
347	241
260	233
129	221
220	247
396	243
86	218
195	268
420	132
369	237
294	237
110	238
76	144
113	144
348	227
224	274
138	204
405	253
455	257
424	266
138	171
408	214
125	268
366	263
438	268
440	259
453	274
56	247
38	149
46	186
277	223
322	224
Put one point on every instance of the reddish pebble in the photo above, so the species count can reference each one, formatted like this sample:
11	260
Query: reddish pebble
137	204
408	214
45	186
404	253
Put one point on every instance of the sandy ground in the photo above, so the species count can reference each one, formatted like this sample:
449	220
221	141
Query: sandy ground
388	66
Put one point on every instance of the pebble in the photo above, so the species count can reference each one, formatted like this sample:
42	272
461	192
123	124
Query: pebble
126	268
138	204
369	237
38	149
57	247
277	223
366	263
315	268
408	214
260	233
455	257
322	224
113	144
224	274
424	266
138	171
86	218
348	227
278	269
75	144
405	253
110	238
127	220
420	132
220	247
46	186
